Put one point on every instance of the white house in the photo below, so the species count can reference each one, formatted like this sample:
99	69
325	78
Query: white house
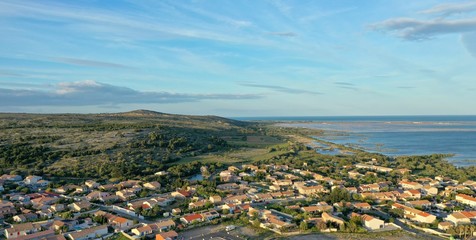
372	223
32	179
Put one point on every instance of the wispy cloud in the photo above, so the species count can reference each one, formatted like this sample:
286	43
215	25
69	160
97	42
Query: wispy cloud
451	9
279	88
349	88
322	14
89	63
282	34
109	22
413	29
344	83
88	93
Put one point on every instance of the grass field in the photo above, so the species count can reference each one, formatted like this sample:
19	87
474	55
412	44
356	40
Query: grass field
253	141
241	155
118	236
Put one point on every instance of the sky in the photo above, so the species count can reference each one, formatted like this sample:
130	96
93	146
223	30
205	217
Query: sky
239	58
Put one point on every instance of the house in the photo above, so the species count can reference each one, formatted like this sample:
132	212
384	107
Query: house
43	235
227	186
170	235
351	189
238	199
466	199
97	195
181	194
128	184
198	204
369	187
372	223
285	182
23	229
6	209
429	190
403	170
420	203
27	217
163	225
215	199
415	214
154	186
354	174
373	167
89	233
108	187
331	218
45	213
317	208
410	185
411	194
362	206
305	190
464	217
64	189
278	223
43	183
128	193
176	211
57	207
229	206
91	184
32	179
226	176
80	206
445	225
42	201
81	189
142	231
191	218
68	224
11	178
208	216
121	223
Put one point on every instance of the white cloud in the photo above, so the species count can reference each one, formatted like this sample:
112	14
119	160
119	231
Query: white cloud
448	9
413	29
90	93
279	88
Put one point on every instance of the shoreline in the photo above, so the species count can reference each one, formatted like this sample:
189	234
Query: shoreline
398	144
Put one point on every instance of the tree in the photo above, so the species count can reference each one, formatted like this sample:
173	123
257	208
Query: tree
256	223
67	215
303	226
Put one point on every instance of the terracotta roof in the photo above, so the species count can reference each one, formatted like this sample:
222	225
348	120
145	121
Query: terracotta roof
192	217
120	220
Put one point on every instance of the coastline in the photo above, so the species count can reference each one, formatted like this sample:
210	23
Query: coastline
396	140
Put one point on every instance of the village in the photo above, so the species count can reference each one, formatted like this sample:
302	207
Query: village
284	199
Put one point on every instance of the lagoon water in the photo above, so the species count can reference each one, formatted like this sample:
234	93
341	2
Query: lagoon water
398	135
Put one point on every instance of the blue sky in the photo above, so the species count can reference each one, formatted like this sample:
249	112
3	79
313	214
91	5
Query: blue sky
239	58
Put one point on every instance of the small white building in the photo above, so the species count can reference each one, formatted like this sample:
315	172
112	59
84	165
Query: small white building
32	179
372	223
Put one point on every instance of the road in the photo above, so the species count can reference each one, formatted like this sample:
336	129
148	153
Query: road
210	232
219	235
110	209
405	227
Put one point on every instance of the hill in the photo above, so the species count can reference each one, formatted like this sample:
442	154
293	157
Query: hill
109	145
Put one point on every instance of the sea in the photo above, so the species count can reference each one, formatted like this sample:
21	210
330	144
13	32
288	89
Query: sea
396	135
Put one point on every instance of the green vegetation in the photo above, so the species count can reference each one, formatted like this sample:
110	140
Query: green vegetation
122	145
139	143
